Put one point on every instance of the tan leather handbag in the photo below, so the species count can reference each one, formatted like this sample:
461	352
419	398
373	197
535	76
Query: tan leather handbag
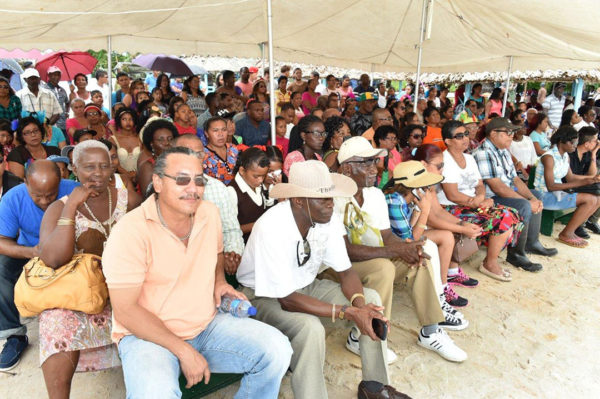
464	247
78	285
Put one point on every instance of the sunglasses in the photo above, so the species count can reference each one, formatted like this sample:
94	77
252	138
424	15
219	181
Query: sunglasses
418	136
460	136
318	133
184	180
508	132
304	256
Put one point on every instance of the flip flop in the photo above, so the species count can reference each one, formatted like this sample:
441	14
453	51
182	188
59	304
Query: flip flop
505	276
573	242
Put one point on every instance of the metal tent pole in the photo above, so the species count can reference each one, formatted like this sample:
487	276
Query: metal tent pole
510	63
271	69
109	71
421	38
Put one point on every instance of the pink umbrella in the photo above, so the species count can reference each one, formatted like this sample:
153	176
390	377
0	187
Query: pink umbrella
18	53
70	63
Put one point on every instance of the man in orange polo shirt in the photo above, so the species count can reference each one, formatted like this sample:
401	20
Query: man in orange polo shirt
164	270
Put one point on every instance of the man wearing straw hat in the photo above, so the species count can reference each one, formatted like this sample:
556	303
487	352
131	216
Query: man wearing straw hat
287	248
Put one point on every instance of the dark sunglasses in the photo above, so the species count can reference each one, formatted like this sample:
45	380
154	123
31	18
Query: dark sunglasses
184	180
418	136
460	136
303	257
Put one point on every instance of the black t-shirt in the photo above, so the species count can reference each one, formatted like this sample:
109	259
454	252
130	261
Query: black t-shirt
22	155
9	181
581	167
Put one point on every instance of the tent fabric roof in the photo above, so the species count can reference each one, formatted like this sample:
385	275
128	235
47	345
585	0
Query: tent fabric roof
376	36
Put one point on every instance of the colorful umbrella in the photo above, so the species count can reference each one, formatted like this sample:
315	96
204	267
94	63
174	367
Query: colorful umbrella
70	63
164	63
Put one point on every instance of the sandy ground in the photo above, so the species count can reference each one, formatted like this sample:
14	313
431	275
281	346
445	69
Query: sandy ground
536	337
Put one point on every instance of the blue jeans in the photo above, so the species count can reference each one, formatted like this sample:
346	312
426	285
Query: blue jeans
229	345
10	270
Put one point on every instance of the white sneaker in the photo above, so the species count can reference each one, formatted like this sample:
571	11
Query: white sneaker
353	346
453	322
441	343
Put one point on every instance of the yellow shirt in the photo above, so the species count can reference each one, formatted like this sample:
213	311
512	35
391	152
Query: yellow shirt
177	282
281	98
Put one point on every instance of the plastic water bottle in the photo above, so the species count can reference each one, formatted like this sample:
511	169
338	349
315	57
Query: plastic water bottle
237	307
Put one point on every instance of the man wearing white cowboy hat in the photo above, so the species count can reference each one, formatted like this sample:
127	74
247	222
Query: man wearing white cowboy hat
288	246
380	257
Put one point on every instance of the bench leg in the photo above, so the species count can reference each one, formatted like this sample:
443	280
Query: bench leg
547	222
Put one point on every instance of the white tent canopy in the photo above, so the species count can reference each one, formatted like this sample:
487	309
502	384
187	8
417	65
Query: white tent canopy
376	36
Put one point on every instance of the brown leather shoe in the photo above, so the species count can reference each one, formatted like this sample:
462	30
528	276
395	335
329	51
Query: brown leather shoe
376	390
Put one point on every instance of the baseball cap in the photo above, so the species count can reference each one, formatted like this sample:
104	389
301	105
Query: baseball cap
253	69
367	95
64	152
29	72
52	69
58	158
500	123
358	146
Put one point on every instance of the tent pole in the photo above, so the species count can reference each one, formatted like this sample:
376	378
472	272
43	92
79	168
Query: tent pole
109	71
510	62
421	38
577	92
271	69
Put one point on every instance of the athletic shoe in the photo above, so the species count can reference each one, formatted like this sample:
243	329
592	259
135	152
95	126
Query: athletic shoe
441	343
447	308
353	346
12	351
461	278
453	322
453	299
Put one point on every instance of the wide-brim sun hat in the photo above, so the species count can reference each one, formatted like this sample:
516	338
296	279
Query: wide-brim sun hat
412	174
358	146
312	179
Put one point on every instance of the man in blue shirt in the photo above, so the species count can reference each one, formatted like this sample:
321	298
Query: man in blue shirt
21	212
151	80
252	128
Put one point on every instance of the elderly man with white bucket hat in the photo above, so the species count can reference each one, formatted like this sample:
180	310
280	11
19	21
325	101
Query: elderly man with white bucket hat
289	245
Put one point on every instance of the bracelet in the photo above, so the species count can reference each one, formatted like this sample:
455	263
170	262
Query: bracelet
333	313
343	312
65	222
357	295
424	227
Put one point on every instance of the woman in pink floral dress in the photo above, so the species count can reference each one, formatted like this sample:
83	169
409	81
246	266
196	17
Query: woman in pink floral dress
70	340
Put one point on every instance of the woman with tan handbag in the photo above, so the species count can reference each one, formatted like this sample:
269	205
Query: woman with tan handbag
71	340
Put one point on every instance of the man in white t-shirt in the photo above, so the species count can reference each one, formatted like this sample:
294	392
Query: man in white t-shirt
288	246
380	258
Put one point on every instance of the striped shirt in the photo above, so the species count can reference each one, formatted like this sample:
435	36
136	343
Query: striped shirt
554	108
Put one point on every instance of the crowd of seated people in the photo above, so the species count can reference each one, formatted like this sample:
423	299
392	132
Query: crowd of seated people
361	189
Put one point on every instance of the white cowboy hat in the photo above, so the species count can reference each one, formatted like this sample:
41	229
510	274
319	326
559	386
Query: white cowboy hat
312	179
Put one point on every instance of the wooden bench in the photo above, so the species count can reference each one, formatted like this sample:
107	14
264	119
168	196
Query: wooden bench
217	381
548	216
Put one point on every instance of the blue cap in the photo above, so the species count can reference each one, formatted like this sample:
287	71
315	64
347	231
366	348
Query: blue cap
58	158
251	311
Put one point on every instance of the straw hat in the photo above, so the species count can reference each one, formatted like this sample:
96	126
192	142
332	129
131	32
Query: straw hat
312	179
412	174
358	146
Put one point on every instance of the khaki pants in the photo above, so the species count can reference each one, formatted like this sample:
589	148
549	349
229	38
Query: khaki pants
380	274
307	336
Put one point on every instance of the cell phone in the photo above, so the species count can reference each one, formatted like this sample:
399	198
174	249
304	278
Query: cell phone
380	328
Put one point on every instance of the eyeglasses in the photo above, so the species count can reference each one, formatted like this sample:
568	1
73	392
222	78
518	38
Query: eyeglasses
366	162
184	180
94	113
31	132
318	133
385	119
508	132
303	252
418	136
460	136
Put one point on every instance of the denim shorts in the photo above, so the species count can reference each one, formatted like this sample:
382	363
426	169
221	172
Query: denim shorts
557	200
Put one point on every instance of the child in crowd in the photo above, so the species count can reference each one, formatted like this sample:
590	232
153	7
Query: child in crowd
98	100
247	189
82	135
6	137
280	131
111	123
63	165
287	111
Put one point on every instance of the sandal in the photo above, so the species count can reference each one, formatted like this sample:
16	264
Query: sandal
505	276
573	242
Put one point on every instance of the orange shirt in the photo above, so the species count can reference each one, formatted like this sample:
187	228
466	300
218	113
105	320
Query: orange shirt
369	134
177	282
434	136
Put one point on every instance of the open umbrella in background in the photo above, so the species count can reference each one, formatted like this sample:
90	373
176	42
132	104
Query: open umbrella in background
164	63
14	67
70	63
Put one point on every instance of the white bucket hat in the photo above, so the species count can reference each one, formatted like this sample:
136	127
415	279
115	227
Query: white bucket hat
358	146
312	179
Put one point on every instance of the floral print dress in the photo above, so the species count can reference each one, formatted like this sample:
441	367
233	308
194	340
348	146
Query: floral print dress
63	330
